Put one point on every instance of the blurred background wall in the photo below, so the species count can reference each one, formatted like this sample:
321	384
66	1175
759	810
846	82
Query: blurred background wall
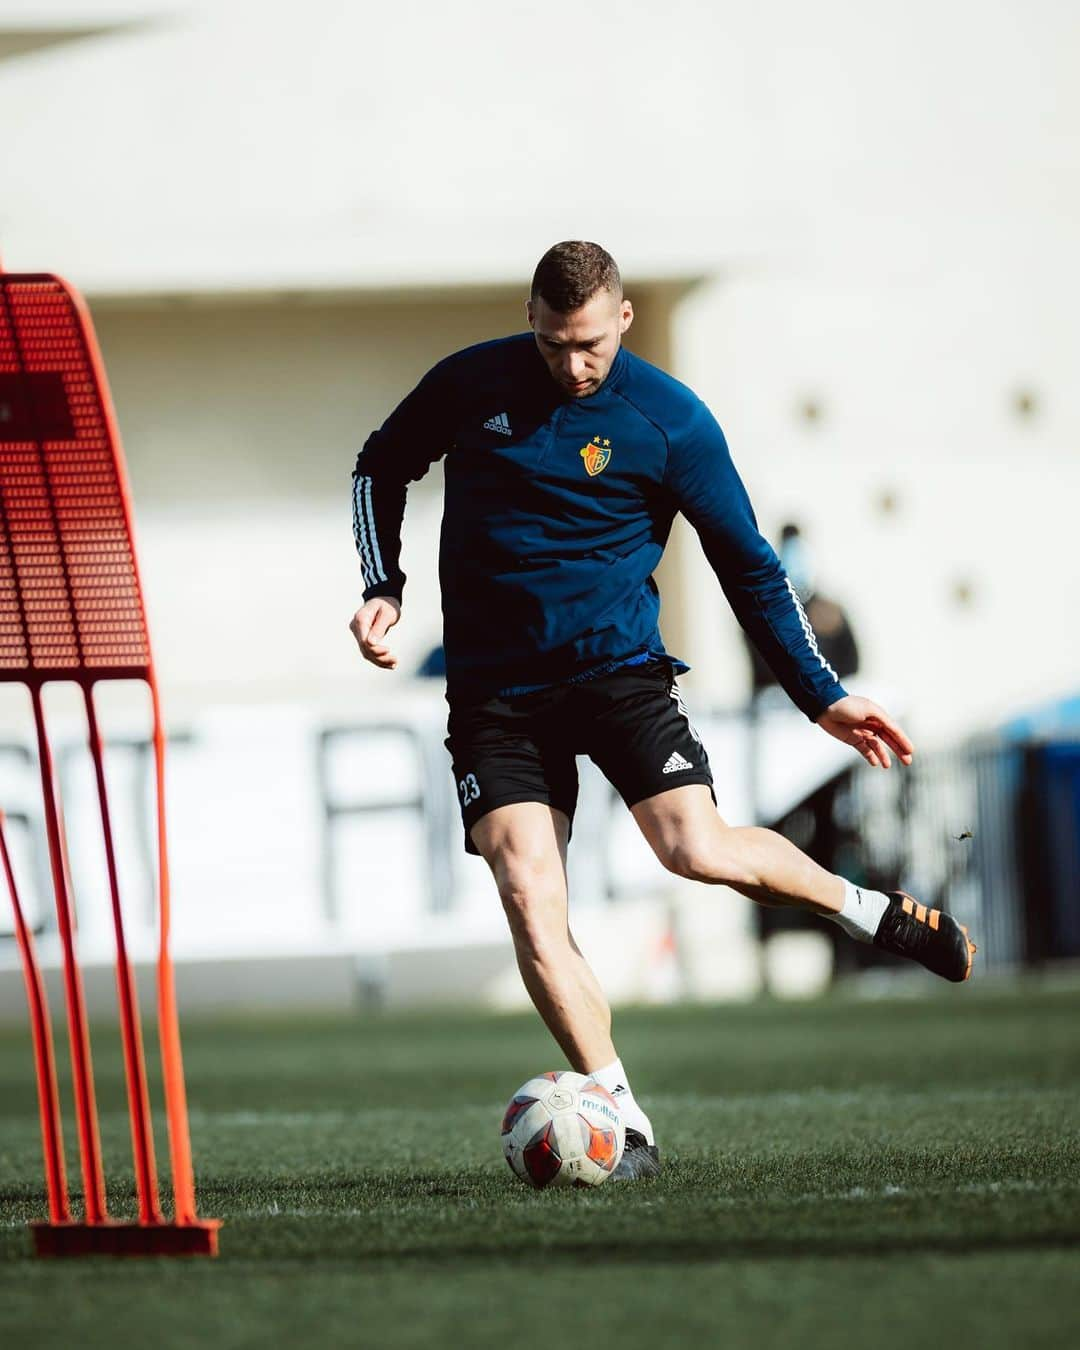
852	230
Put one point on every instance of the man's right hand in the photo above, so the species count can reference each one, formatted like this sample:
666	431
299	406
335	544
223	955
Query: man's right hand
369	627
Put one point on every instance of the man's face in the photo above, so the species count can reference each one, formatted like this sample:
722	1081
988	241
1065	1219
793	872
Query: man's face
578	348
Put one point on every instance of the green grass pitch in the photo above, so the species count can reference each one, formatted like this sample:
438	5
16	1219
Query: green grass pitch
890	1173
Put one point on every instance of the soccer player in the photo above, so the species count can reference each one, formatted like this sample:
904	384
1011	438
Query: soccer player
567	458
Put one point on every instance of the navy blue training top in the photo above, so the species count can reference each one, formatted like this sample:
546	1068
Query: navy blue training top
556	514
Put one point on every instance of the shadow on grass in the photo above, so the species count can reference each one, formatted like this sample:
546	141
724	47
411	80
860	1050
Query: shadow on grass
481	1216
628	1252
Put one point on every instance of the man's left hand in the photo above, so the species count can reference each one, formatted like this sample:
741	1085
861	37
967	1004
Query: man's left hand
858	722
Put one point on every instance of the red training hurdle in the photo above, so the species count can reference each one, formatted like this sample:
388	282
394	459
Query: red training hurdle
71	609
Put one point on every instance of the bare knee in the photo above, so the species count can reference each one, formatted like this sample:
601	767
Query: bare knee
533	896
715	861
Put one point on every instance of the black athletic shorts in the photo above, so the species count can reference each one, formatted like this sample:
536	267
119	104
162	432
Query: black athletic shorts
632	724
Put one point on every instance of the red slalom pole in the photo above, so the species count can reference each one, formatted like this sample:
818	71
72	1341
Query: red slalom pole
81	1067
172	1060
52	1134
142	1133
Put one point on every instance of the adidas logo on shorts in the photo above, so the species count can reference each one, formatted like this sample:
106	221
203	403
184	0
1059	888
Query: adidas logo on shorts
676	763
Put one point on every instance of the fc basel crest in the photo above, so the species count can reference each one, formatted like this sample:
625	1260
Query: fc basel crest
596	455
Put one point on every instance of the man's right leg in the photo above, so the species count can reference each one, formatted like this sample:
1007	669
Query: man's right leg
518	750
524	844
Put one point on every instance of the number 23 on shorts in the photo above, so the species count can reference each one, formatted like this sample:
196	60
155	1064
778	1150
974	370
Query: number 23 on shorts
469	789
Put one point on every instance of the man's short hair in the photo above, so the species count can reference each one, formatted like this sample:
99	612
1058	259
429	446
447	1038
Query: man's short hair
570	274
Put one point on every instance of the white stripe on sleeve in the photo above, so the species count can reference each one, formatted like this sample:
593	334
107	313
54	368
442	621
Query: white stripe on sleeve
811	636
376	555
360	533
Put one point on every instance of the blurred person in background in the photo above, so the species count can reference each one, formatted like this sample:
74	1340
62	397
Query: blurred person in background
824	840
828	619
567	458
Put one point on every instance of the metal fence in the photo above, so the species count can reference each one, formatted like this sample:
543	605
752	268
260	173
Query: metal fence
288	857
989	832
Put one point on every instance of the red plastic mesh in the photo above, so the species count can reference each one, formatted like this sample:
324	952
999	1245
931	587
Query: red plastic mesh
70	603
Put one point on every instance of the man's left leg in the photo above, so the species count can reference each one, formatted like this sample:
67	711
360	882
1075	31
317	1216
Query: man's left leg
688	835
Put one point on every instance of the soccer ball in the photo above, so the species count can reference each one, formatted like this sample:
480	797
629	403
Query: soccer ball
563	1129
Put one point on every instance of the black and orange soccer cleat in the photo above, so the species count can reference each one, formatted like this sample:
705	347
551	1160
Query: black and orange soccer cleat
640	1159
929	936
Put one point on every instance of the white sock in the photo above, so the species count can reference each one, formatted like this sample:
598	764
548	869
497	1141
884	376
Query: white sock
613	1078
861	913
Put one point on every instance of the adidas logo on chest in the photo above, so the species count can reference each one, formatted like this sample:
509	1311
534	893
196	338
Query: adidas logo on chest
500	423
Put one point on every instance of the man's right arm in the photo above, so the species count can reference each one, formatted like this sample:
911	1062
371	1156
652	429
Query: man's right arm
412	438
416	433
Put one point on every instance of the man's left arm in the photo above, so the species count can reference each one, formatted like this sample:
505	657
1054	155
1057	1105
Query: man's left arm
707	489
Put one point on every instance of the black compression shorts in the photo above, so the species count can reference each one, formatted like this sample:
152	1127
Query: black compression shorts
632	724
